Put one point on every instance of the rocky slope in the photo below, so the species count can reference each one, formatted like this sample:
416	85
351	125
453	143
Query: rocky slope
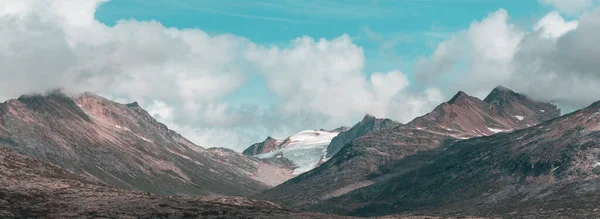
367	125
379	156
551	170
122	145
33	189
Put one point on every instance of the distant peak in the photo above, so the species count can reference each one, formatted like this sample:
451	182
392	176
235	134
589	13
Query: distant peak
501	92
459	97
368	117
502	88
135	104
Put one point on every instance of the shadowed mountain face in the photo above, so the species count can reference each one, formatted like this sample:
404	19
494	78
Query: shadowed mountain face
122	145
367	125
33	189
547	171
385	154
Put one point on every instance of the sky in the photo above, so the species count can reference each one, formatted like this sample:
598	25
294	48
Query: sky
229	73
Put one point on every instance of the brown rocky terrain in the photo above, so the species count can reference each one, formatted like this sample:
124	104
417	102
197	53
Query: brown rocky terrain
33	189
385	154
547	171
122	145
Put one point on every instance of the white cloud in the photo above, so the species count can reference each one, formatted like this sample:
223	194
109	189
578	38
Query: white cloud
327	77
556	62
484	51
564	69
140	60
553	25
569	6
182	76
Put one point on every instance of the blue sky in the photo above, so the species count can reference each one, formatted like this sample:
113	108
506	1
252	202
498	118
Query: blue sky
393	33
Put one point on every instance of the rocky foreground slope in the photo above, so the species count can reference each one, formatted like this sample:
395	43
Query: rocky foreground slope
385	154
122	145
33	189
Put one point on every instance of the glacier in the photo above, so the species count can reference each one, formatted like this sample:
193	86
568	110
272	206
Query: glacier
305	149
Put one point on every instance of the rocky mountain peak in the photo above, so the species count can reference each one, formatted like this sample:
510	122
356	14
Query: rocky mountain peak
53	103
266	146
134	105
461	97
521	107
367	125
500	94
367	118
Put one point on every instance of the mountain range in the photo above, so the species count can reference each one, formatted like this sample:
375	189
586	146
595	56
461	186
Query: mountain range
504	156
122	145
380	156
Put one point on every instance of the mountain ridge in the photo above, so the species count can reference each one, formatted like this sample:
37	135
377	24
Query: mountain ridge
548	170
378	156
122	145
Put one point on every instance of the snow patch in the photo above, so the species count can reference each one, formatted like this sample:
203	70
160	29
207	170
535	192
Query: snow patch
518	117
543	111
306	149
136	135
141	137
597	164
496	130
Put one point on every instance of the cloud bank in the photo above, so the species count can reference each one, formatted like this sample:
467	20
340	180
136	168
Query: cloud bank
553	61
183	76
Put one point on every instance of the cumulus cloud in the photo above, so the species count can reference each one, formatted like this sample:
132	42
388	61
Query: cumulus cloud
327	76
564	69
553	25
135	59
182	76
484	51
555	61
